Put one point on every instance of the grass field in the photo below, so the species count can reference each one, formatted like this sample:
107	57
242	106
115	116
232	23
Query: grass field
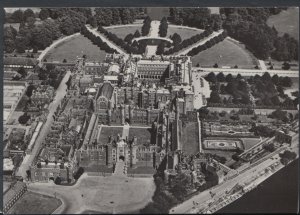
143	134
225	53
122	32
189	138
249	142
109	131
74	47
33	203
286	22
183	32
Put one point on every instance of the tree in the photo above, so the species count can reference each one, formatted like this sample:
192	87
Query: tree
215	97
221	77
286	66
180	186
160	48
44	14
23	119
17	16
30	88
176	39
22	72
92	21
269	147
129	38
211	77
28	13
137	34
216	65
57	180
229	78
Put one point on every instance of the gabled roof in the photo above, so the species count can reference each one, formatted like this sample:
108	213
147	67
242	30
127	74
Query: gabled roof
106	90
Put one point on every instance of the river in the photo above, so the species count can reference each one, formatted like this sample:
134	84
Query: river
278	194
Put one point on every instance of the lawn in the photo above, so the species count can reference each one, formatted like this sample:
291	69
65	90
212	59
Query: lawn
189	138
184	33
225	53
249	142
123	31
76	47
143	134
33	203
286	22
109	131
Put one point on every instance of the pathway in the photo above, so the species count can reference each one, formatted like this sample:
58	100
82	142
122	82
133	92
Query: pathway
262	65
104	39
245	72
125	132
201	42
60	93
120	169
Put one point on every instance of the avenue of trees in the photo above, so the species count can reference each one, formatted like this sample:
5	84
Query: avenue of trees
97	41
210	43
178	44
126	44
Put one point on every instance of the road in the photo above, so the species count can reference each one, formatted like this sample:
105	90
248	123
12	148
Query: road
201	42
55	43
60	93
104	39
220	190
245	72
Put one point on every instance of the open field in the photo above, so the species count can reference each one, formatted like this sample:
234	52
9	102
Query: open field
109	195
189	138
225	53
286	22
122	32
109	131
143	135
74	47
184	33
33	203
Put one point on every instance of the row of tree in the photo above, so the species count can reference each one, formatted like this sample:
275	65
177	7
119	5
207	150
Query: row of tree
134	48
163	27
97	40
179	45
208	44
